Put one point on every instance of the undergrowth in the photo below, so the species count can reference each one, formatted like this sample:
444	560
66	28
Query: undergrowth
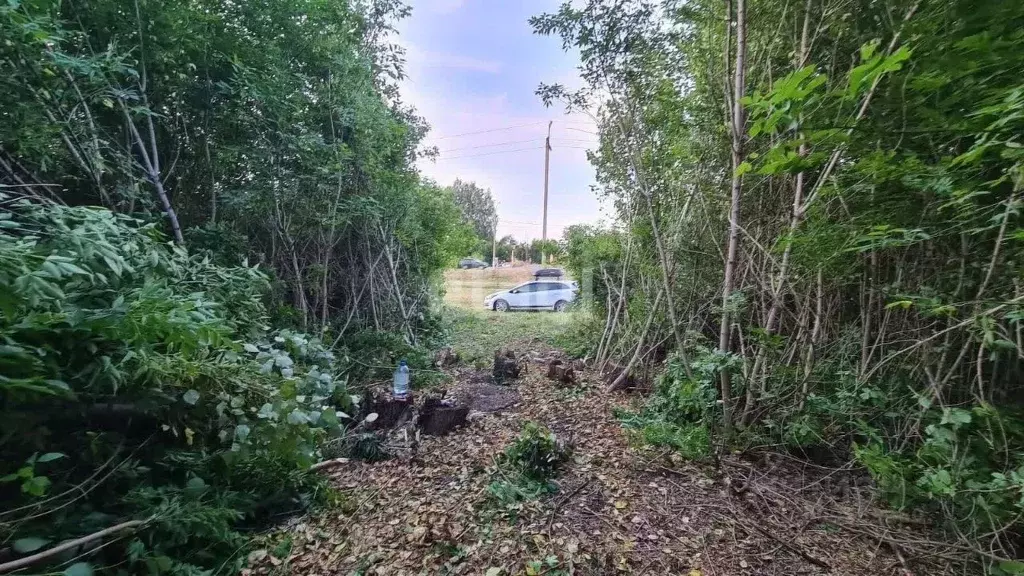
139	383
965	463
525	469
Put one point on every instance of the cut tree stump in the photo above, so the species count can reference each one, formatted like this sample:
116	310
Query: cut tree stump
390	412
553	366
438	419
561	373
446	357
506	367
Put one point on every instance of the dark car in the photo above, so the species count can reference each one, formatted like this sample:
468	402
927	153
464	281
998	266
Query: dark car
467	263
548	273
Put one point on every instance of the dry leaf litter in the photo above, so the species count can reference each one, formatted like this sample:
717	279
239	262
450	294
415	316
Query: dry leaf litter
621	508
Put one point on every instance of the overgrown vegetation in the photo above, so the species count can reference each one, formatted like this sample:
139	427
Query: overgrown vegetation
819	226
210	228
141	382
525	469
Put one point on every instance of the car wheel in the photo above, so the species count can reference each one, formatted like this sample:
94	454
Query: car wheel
561	305
500	306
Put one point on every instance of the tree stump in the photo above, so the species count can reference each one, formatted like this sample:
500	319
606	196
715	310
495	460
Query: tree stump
505	366
446	357
561	373
553	366
390	412
438	419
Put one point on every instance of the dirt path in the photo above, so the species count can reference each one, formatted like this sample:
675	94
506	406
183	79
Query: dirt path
620	509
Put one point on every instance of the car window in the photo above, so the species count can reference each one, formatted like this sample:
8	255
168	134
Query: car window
530	287
561	286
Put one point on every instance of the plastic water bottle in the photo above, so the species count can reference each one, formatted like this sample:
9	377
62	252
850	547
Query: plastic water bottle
401	387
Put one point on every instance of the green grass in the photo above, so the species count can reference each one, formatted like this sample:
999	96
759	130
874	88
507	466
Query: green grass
476	334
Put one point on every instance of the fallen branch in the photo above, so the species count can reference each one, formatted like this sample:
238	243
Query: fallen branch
327	464
560	503
69	545
791	547
924	547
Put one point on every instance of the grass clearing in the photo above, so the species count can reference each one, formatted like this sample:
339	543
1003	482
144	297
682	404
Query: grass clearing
476	334
467	288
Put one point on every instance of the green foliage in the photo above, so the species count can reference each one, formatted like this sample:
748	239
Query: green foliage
139	382
692	441
543	251
876	282
966	466
535	453
524	470
678	413
478	210
185	386
274	131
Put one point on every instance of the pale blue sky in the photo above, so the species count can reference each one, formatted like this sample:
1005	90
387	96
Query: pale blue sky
473	66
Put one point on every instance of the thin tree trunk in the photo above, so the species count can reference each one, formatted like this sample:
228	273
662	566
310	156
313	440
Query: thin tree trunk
213	180
392	267
151	166
669	300
808	359
794	222
734	211
620	380
622	286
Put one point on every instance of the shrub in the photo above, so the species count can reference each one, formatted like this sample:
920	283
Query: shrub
139	382
535	453
678	412
525	468
968	466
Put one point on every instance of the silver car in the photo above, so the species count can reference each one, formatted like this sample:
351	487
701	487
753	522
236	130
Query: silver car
536	295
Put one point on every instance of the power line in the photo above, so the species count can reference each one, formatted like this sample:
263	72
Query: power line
584	131
516	126
488	131
489	153
528	223
576	140
491	145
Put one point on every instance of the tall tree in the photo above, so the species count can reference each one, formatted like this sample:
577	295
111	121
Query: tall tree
477	207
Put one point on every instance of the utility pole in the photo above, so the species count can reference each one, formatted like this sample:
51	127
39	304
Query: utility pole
547	168
494	249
